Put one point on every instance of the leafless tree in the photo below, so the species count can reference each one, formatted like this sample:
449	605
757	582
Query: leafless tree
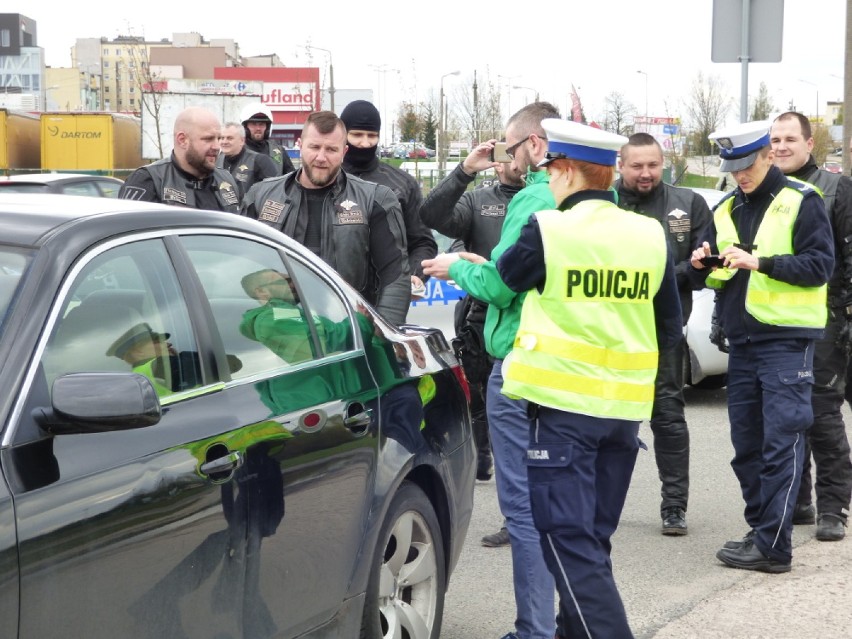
708	105
618	114
761	106
474	112
150	87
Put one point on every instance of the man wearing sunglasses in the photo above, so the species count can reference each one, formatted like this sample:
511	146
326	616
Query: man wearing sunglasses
508	421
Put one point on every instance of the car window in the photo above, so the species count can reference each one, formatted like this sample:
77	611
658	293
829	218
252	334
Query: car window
109	188
23	187
125	312
13	264
268	316
80	188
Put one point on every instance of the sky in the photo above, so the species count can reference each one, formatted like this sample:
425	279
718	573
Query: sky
648	51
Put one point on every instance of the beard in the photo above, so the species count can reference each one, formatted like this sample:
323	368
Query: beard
320	177
203	164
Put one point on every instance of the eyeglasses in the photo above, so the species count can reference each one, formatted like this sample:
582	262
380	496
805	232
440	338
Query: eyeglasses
510	151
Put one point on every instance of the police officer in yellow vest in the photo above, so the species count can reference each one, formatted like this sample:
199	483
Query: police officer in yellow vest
602	300
775	244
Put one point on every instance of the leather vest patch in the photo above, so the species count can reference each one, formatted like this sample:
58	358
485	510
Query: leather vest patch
173	195
228	193
493	210
271	211
680	224
349	212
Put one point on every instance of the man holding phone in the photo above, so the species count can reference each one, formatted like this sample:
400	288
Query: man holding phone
685	217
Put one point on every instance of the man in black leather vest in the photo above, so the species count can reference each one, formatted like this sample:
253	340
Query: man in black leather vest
353	225
189	177
256	119
363	124
686	218
792	141
245	165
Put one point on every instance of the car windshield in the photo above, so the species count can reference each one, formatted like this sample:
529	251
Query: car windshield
13	264
23	187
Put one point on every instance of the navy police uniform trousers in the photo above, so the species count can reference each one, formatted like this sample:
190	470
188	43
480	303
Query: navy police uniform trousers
769	407
579	470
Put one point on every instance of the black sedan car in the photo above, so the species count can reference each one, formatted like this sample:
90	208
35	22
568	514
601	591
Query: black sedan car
207	433
64	183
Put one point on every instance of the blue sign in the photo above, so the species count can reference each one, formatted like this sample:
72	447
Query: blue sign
439	292
670	129
241	86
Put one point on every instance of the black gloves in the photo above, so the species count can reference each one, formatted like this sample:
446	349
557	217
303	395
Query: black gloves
717	335
843	340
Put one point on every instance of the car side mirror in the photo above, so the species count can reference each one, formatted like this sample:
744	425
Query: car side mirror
99	402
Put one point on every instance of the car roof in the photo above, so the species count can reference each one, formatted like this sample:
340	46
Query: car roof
44	178
33	219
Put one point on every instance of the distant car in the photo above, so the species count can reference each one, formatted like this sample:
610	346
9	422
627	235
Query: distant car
833	167
207	433
61	183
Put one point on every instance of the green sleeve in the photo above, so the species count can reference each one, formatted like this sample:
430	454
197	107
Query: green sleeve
482	280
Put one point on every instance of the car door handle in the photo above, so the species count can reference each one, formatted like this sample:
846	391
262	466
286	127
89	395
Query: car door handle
359	422
225	464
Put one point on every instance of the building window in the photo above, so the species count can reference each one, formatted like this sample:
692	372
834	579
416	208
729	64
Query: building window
132	101
132	89
5	38
106	89
106	64
118	52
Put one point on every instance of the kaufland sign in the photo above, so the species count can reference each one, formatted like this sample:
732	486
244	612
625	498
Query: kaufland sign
289	96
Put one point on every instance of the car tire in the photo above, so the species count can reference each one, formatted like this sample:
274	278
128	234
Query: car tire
405	595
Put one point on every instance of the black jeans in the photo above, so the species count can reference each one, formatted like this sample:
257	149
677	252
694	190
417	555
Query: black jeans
827	440
668	424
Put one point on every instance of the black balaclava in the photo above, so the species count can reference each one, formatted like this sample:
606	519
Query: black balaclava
361	115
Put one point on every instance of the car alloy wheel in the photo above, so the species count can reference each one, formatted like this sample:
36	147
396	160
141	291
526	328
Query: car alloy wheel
405	597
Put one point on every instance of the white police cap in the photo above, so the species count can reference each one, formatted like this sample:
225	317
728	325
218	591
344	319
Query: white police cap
566	139
740	144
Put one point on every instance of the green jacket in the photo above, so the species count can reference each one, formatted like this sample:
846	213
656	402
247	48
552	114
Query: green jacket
482	280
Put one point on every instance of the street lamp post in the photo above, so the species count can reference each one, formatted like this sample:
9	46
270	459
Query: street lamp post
442	127
508	79
815	86
383	69
330	74
517	86
646	94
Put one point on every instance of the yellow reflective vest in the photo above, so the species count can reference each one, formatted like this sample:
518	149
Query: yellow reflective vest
767	300
587	343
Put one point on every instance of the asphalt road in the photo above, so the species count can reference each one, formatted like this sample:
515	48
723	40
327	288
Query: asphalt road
674	586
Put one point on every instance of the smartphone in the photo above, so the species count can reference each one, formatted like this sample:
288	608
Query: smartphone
713	260
498	153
